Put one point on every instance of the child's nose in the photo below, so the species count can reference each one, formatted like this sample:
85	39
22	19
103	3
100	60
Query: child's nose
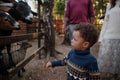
72	40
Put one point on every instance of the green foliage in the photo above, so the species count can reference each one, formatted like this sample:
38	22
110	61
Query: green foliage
100	5
60	5
100	9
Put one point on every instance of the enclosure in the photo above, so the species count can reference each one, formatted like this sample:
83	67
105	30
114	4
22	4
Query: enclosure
13	47
34	44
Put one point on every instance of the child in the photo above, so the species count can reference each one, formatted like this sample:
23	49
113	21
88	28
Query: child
81	64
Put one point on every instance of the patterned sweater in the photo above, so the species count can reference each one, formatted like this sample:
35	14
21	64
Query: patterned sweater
81	65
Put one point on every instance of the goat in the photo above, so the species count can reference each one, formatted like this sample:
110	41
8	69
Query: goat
7	23
19	11
17	55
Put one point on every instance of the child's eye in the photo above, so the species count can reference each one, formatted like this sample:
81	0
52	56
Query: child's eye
6	19
75	39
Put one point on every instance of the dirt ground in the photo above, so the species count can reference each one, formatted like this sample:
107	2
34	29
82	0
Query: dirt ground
35	69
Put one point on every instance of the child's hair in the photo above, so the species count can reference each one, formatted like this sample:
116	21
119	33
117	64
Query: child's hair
88	31
112	2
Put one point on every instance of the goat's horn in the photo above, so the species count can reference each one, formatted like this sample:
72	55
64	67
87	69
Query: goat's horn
7	4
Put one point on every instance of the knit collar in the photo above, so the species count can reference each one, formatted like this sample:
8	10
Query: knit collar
82	52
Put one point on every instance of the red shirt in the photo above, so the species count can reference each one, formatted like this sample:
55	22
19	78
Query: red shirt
79	11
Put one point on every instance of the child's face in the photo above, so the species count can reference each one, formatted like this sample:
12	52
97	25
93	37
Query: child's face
78	43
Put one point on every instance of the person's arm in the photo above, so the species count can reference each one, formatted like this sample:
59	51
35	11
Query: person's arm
67	13
65	26
66	16
94	76
93	70
54	63
91	11
57	63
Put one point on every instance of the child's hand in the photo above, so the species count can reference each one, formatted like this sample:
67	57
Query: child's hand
49	64
99	42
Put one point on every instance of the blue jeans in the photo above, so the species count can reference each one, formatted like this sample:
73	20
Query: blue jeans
70	30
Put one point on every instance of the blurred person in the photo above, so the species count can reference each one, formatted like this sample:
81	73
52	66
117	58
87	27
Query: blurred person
109	52
77	11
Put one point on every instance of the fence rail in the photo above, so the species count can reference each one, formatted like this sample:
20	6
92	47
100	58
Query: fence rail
12	72
16	38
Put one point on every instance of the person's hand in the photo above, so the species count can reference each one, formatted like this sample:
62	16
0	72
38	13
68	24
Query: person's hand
49	64
99	42
65	29
66	25
91	20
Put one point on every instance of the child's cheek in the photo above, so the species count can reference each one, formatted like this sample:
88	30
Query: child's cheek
72	44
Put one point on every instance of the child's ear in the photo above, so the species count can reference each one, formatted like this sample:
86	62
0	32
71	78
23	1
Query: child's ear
86	44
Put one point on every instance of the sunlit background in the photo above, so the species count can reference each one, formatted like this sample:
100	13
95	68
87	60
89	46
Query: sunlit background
58	13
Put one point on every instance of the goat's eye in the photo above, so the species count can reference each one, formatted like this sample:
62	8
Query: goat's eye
6	19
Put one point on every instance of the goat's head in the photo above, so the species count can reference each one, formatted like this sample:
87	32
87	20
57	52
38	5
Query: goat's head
7	22
24	44
21	11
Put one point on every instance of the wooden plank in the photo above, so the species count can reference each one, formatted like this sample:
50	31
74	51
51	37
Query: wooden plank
22	64
16	38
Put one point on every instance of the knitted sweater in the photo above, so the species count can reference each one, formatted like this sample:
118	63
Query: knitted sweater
81	65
